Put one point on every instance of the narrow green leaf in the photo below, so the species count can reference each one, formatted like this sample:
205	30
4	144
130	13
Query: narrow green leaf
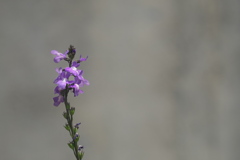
65	115
67	127
71	145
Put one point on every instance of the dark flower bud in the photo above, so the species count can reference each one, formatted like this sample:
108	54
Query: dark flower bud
71	52
77	125
80	147
70	144
67	127
76	137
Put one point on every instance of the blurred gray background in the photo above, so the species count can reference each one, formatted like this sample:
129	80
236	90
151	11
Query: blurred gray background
164	79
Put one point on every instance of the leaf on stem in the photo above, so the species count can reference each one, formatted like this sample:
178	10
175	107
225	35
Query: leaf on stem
70	144
67	127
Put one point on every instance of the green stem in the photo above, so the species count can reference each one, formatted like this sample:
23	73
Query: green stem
70	120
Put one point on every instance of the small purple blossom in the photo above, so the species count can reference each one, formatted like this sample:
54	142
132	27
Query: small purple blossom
62	74
73	69
76	89
57	90
59	56
57	100
80	80
77	125
62	83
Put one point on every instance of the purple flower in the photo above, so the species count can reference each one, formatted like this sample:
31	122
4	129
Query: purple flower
73	69
59	56
62	78
57	100
77	125
57	90
80	80
86	82
76	89
62	83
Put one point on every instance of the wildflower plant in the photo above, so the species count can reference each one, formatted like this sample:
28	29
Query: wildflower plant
69	79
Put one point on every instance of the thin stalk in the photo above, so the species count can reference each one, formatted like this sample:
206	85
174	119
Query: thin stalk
70	120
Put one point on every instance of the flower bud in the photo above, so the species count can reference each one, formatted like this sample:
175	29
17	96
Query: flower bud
77	125
80	147
72	111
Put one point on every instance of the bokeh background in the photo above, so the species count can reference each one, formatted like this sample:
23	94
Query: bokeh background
164	79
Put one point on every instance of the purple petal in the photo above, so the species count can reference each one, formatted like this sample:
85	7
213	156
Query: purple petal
57	90
61	76
72	70
57	59
83	59
59	70
86	82
75	64
57	100
78	80
80	75
54	52
65	53
76	90
59	56
67	75
62	83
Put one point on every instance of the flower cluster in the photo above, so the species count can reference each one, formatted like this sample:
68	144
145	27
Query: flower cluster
69	79
63	81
